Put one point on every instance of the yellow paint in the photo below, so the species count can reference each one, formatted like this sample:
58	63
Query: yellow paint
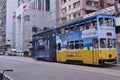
87	56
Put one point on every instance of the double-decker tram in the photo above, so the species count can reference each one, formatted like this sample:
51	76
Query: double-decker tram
91	41
44	45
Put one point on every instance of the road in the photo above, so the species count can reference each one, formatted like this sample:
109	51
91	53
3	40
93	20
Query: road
30	69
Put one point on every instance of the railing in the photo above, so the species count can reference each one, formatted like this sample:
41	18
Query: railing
3	76
110	10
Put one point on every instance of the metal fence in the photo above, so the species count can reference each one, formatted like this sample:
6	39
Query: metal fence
4	76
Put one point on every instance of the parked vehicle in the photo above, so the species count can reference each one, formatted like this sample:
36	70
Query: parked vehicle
12	52
1	53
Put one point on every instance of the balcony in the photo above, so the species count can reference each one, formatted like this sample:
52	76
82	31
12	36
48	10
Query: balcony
93	0
91	8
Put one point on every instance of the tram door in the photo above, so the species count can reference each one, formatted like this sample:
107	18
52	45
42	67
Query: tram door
95	51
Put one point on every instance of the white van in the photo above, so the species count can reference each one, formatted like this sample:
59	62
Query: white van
12	52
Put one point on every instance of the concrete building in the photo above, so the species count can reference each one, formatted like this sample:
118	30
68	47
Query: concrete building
75	9
27	17
54	13
2	24
32	17
28	21
10	25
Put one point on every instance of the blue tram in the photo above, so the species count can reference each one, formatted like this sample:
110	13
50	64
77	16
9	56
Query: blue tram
44	44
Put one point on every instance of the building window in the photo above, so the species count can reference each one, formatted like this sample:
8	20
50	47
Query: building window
64	10
76	15
39	4
69	17
95	4
27	18
34	29
64	19
89	3
92	4
76	4
69	7
63	1
47	5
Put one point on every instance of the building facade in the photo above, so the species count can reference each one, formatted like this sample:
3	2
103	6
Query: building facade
28	22
32	17
2	24
10	25
75	9
27	17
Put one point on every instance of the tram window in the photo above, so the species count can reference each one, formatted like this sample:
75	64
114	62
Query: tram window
67	46
72	45
54	46
33	38
51	46
81	44
113	22
76	44
101	21
108	22
114	43
95	43
102	43
81	26
36	46
58	32
47	35
62	30
109	43
94	23
51	34
72	28
41	48
59	46
44	35
77	27
67	30
88	25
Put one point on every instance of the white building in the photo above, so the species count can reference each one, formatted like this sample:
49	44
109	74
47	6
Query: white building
54	13
10	28
27	16
26	21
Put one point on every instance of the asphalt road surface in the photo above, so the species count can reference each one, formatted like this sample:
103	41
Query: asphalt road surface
30	69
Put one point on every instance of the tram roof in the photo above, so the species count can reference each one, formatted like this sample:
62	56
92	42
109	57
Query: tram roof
42	32
92	17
